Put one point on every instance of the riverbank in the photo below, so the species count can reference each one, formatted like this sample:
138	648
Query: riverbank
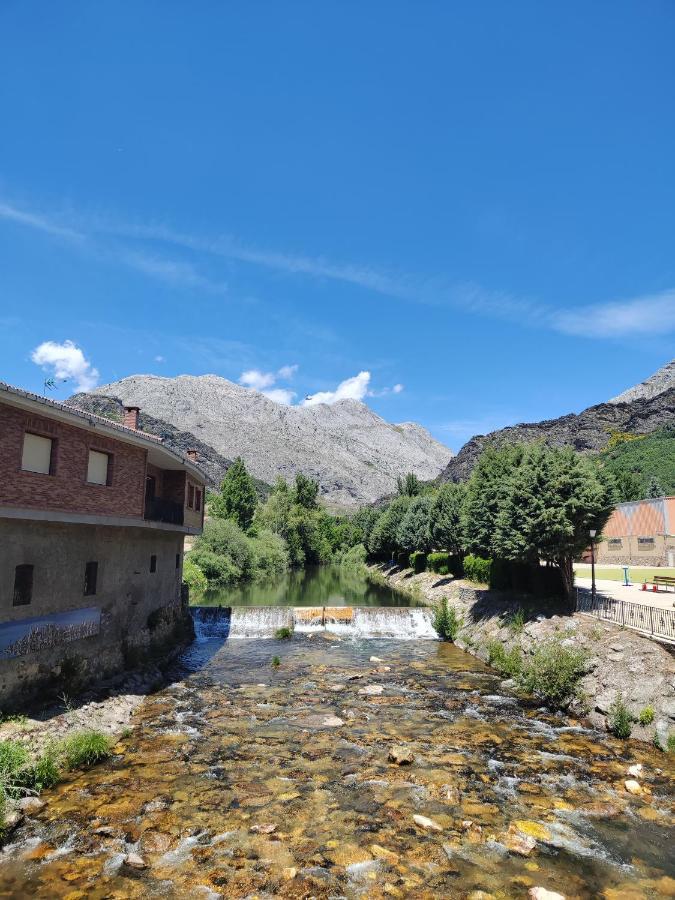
620	661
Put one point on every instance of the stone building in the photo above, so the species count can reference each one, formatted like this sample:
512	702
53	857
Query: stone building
640	533
93	515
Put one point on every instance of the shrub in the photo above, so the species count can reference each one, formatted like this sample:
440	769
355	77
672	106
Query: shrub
418	562
553	673
646	716
14	768
193	576
223	552
354	558
276	662
437	561
270	555
477	569
282	634
506	662
516	621
446	621
620	720
86	748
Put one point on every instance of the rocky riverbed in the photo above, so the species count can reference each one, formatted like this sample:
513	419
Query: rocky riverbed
353	769
621	661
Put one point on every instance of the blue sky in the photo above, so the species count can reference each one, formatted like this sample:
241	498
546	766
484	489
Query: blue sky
465	211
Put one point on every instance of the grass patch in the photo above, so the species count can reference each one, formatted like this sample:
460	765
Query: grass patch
446	621
646	716
283	633
553	673
506	662
515	622
276	662
636	575
620	721
85	748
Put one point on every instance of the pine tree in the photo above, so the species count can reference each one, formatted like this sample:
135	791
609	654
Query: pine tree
238	498
483	495
410	486
654	488
446	518
413	532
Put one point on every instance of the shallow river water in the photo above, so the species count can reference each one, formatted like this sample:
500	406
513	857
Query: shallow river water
242	780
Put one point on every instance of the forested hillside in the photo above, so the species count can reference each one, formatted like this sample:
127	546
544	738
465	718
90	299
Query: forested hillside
644	465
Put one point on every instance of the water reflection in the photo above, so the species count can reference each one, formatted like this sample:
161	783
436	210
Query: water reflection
314	586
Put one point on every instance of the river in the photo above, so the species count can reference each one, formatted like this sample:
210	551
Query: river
241	779
313	586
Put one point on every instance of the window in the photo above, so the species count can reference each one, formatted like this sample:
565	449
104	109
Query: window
90	578
23	585
614	544
178	560
37	454
98	470
191	496
198	500
153	563
645	543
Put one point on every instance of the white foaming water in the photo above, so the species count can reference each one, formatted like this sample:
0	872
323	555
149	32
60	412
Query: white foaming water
400	623
259	621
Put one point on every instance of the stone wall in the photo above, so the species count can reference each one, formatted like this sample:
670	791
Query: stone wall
141	611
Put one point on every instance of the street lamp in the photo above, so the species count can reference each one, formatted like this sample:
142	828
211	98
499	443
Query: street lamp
593	533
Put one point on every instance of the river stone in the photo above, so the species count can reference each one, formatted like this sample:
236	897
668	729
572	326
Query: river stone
371	690
31	805
635	771
12	820
135	861
540	893
321	721
516	842
376	659
423	822
401	755
632	786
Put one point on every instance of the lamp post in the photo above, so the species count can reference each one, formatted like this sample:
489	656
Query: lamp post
593	533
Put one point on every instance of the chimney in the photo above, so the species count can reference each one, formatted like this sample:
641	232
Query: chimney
193	455
131	414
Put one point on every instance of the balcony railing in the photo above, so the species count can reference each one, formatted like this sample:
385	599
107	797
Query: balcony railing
159	510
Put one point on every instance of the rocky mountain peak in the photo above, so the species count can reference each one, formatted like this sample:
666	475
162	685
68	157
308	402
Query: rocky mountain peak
656	384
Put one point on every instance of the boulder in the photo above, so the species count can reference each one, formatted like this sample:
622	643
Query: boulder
401	755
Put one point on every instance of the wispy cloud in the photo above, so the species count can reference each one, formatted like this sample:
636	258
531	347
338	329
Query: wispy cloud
652	314
121	241
66	362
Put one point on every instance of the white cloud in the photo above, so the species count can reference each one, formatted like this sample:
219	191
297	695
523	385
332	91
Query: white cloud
397	388
287	372
281	395
263	381
355	388
160	359
254	378
648	315
66	362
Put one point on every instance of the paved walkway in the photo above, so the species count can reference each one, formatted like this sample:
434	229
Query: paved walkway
632	593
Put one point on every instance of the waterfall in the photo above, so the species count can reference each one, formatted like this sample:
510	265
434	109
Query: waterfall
402	623
259	621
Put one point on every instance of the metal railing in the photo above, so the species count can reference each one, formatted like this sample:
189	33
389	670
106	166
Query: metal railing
655	621
160	510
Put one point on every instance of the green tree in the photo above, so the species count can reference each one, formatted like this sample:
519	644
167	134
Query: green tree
413	532
306	491
446	518
238	497
483	496
628	486
383	540
409	486
365	520
654	487
548	505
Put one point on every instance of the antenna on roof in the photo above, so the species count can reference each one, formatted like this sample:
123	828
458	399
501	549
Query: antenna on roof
50	383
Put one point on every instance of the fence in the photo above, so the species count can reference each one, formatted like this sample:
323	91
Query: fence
652	620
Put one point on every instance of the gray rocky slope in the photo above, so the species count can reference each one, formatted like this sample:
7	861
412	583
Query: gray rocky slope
354	454
639	410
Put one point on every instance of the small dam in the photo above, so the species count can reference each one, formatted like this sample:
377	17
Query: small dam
241	622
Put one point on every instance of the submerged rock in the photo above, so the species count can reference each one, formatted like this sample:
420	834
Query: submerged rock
517	842
371	690
401	755
135	861
540	893
429	824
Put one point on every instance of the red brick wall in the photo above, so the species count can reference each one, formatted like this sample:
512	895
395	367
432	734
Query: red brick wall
67	489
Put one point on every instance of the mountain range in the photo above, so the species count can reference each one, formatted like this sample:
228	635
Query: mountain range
355	455
638	410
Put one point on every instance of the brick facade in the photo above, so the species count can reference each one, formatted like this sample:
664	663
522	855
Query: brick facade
67	489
